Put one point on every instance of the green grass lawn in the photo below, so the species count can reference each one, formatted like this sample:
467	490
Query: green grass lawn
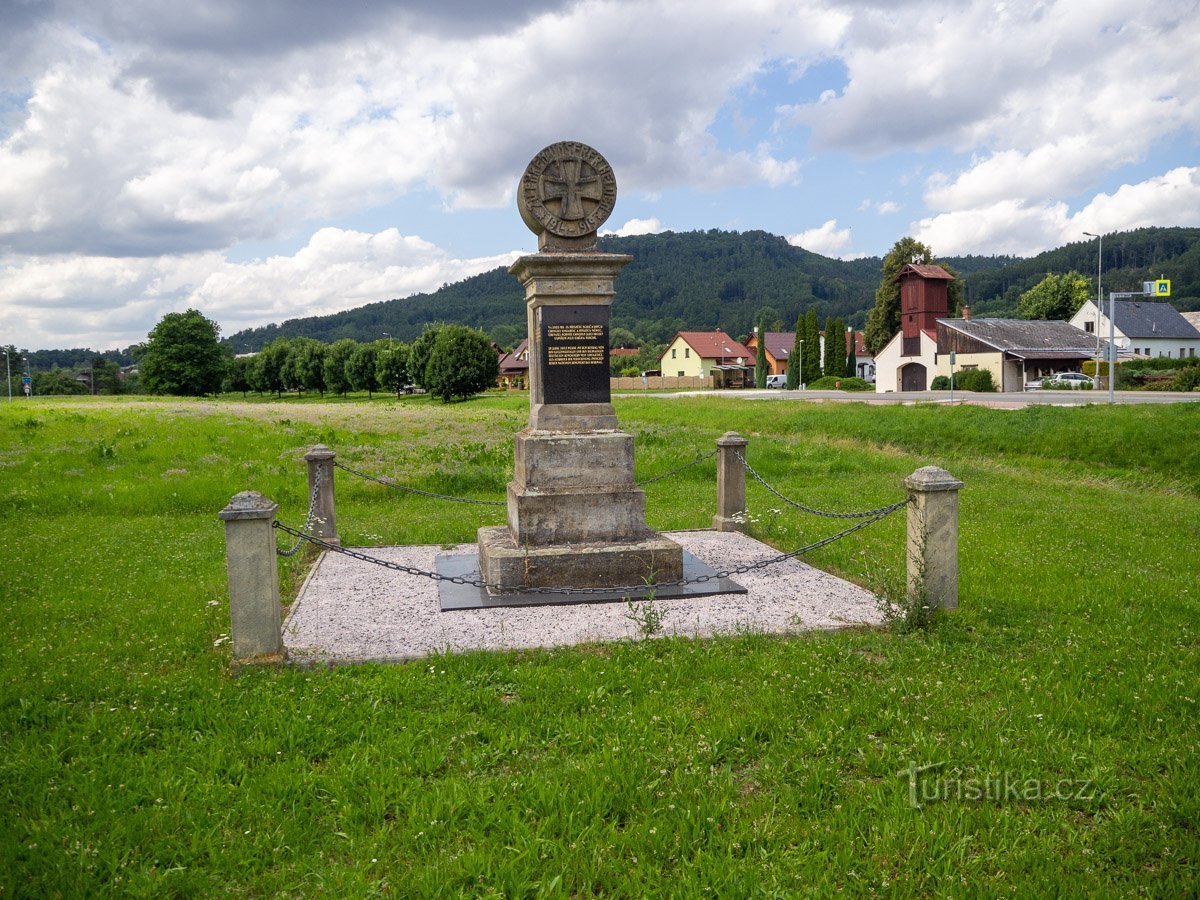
1059	705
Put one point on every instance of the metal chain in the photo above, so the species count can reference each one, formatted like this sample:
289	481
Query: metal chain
808	509
312	508
697	460
412	490
700	579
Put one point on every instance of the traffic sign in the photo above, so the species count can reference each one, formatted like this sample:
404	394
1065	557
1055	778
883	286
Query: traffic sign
25	379
1162	288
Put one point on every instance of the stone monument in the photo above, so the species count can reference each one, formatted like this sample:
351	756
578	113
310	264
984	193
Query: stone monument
576	518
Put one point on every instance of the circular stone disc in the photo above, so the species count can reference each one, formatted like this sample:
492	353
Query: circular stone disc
568	190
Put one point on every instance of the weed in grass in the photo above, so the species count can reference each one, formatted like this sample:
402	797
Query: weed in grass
645	615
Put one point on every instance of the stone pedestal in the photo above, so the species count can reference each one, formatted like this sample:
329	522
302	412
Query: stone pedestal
933	536
576	518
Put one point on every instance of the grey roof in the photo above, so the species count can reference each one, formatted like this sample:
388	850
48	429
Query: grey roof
1025	334
1151	319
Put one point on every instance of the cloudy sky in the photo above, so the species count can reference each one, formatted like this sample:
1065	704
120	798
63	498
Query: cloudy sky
278	158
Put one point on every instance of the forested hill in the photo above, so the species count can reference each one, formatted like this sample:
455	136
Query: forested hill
720	279
1130	257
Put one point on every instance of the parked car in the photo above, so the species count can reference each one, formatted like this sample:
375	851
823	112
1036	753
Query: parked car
776	381
1070	379
1073	380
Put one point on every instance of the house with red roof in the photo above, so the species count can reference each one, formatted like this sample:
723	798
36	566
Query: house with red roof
698	353
514	368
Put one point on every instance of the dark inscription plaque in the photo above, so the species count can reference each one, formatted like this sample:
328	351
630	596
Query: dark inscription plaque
575	354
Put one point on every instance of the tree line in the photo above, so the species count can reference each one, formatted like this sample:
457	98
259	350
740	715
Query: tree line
183	356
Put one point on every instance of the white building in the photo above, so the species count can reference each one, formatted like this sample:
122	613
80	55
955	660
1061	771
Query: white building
1152	328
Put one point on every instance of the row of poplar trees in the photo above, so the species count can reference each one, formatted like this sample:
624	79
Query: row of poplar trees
807	362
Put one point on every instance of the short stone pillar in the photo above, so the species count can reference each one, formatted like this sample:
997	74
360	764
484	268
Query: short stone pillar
731	483
320	466
253	578
933	536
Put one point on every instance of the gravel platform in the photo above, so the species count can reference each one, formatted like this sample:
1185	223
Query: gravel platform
353	611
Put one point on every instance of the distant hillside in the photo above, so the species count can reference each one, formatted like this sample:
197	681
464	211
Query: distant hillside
1130	258
721	279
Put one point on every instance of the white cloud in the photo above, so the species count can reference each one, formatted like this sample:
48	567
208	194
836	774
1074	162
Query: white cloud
637	226
108	302
826	239
1025	229
887	207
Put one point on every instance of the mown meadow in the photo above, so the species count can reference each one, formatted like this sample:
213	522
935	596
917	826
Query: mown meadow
1043	739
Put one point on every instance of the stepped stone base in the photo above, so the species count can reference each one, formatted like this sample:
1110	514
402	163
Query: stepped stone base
505	566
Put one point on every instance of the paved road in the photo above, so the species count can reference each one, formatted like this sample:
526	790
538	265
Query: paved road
1009	400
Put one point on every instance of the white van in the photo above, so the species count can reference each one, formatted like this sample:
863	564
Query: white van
776	381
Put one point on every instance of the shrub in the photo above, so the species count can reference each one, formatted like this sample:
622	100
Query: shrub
1187	380
941	383
974	380
839	383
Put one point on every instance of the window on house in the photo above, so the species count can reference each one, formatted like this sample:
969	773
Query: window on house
687	352
673	352
1191	351
1089	327
681	373
1181	349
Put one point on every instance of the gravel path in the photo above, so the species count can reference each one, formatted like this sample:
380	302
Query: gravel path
352	611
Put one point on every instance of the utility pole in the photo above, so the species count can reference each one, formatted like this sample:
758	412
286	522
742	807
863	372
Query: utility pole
1099	302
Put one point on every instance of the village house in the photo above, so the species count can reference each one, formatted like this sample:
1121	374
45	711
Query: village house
1015	351
779	346
1149	328
514	368
699	353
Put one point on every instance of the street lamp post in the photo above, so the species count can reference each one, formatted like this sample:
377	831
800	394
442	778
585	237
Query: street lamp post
800	381
1099	302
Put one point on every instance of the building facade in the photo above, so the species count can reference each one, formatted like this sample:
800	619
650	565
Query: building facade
697	353
1147	328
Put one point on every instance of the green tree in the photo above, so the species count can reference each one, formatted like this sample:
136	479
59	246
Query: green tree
337	355
1055	297
835	346
361	369
183	356
391	365
812	347
237	375
883	321
419	352
829	350
461	363
649	356
793	372
760	357
850	370
305	369
55	381
266	371
622	337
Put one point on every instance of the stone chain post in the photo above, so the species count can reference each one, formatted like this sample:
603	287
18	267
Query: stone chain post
731	483
253	578
324	526
933	536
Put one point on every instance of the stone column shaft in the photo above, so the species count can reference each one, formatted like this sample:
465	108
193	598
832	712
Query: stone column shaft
320	460
253	578
933	536
731	483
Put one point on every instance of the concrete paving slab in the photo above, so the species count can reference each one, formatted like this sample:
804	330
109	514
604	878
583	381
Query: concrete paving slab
353	611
